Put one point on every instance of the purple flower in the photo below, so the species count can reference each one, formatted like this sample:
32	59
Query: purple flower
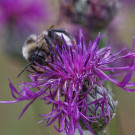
23	14
70	83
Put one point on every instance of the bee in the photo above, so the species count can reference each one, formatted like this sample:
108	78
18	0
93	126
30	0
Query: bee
37	49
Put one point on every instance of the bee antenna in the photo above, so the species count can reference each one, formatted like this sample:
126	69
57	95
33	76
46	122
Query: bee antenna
25	68
51	27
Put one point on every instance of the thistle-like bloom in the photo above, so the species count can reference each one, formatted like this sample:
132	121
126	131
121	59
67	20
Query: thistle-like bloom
74	84
22	14
94	14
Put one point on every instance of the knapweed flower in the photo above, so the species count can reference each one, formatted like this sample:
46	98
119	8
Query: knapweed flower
22	14
94	14
74	83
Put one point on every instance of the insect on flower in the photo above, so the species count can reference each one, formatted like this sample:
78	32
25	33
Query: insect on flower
74	84
40	49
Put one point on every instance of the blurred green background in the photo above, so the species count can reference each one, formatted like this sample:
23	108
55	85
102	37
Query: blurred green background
10	66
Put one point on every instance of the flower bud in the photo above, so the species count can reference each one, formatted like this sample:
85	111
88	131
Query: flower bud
95	14
93	110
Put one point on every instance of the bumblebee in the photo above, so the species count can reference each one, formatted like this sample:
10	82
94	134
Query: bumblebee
37	49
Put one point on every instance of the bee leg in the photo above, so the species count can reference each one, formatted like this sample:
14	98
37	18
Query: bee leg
52	58
35	69
58	30
49	42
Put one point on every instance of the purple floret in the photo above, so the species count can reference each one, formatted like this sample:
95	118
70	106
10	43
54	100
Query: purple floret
61	84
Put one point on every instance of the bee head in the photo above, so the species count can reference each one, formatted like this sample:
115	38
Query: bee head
41	57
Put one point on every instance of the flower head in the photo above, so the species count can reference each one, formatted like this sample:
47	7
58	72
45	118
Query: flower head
94	14
22	14
74	84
